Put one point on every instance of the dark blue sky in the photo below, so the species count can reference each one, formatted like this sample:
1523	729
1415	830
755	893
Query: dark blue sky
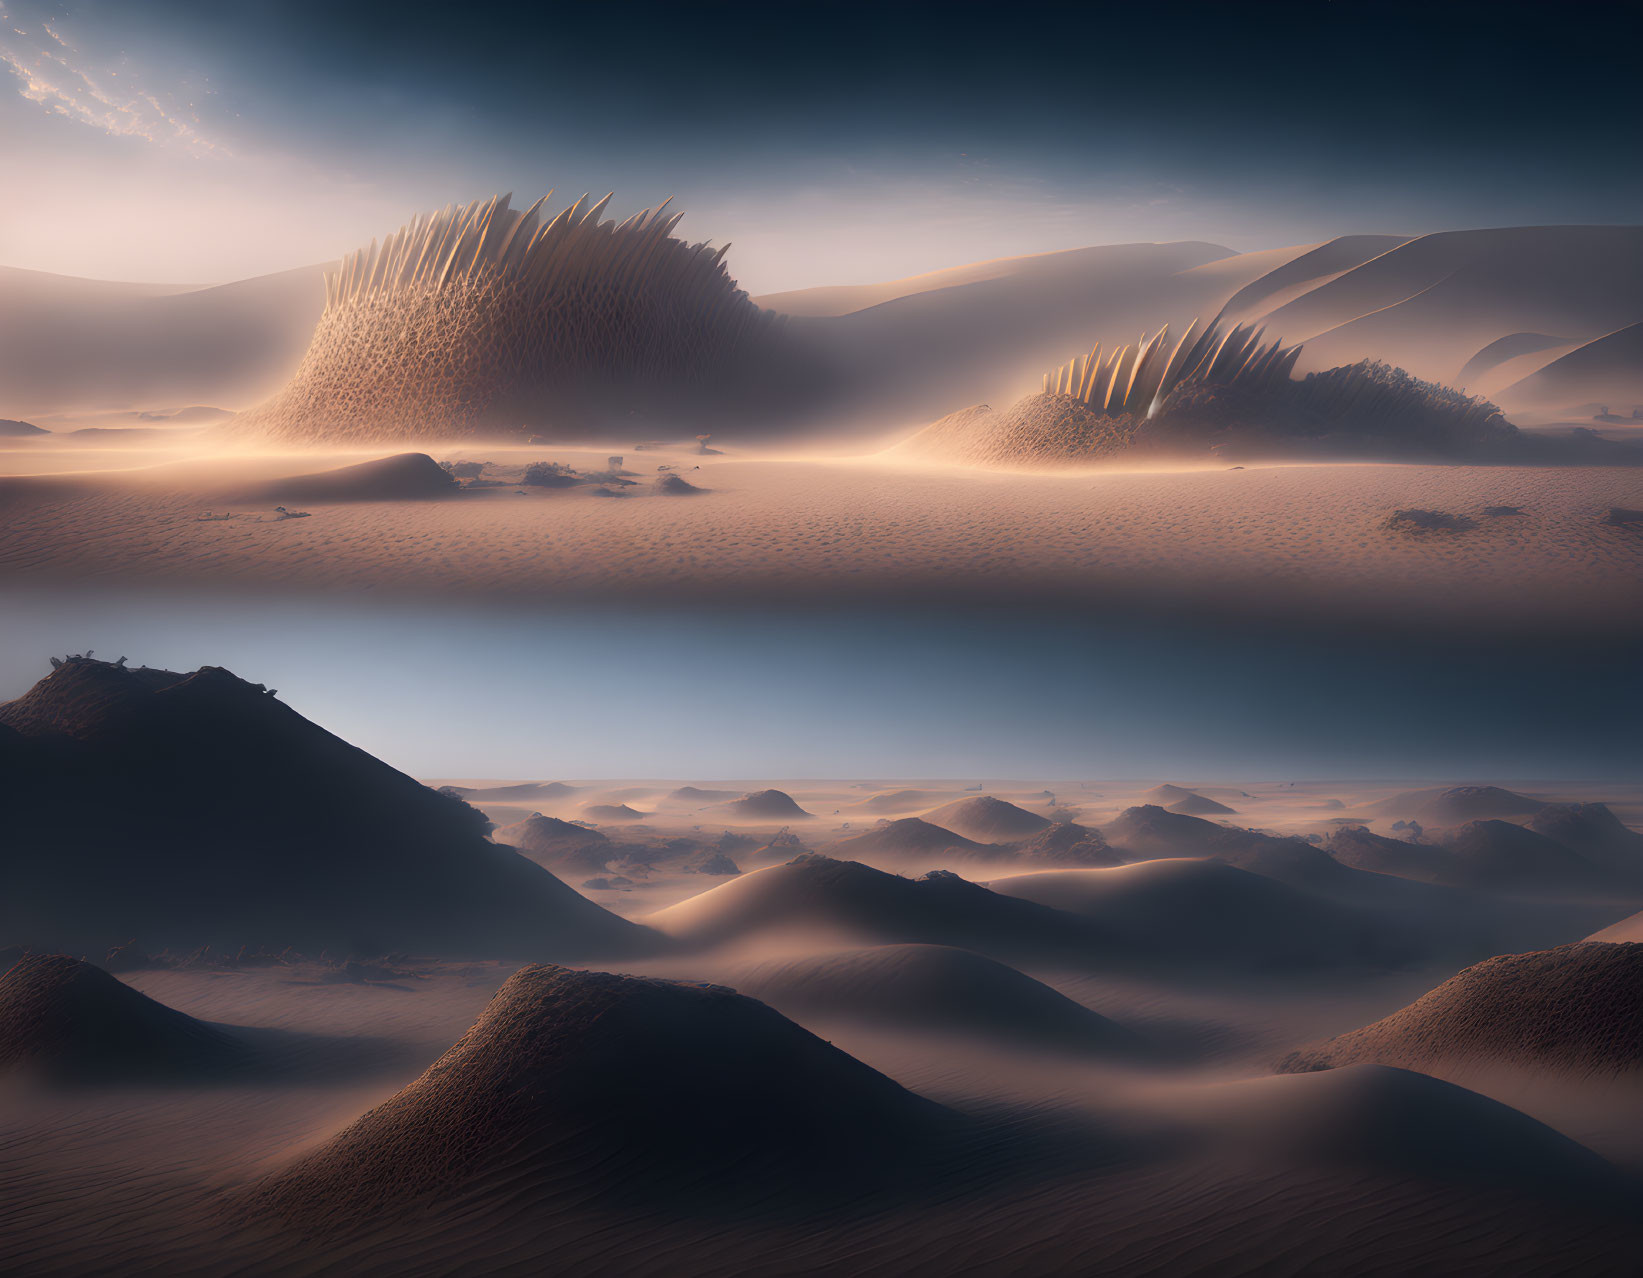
829	143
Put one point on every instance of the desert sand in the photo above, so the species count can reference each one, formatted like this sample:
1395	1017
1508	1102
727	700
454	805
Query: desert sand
1291	539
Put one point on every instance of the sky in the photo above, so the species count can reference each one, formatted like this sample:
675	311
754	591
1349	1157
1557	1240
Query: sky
192	141
722	694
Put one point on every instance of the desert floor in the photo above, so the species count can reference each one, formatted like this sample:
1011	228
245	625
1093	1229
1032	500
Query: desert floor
1284	539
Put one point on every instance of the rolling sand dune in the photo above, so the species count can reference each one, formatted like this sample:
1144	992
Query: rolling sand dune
898	801
1576	1009
403	477
1198	805
847	899
1362	849
288	836
1606	368
550	837
1190	910
912	839
940	988
765	805
1066	843
611	1089
66	1021
1320	264
987	819
1485	368
1429	305
74	345
524	792
1455	804
612	813
1507	857
1408	1123
1593	830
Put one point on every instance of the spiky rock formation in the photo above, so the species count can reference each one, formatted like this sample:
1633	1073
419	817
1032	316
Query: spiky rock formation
488	320
1137	379
1227	390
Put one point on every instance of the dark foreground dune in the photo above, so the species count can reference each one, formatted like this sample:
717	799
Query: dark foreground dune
1574	1010
617	1090
287	837
65	1021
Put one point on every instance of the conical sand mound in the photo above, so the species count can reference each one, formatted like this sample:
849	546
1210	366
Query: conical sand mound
1577	1009
67	1021
937	987
589	1087
209	813
988	819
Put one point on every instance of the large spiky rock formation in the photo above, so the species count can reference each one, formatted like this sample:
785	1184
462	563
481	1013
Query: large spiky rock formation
1220	388
488	320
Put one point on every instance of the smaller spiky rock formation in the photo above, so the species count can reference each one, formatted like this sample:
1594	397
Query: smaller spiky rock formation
1137	379
1220	389
488	320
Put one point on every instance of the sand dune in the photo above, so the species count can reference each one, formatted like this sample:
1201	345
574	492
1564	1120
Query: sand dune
538	833
765	805
1430	304
899	801
1298	275
815	894
1506	857
1576	1009
1191	910
1593	830
402	477
912	839
523	792
287	836
1407	1123
1362	849
610	1089
1066	843
76	345
987	819
936	987
63	1020
1455	804
1607	368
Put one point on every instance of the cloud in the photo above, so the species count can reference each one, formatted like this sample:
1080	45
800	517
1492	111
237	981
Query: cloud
113	99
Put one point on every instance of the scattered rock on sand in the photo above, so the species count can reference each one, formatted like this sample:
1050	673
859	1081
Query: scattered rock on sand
675	486
1428	521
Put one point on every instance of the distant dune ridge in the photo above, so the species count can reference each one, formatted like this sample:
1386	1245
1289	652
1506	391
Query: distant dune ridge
988	818
937	987
488	320
1576	1009
65	1020
593	1088
850	900
206	812
402	477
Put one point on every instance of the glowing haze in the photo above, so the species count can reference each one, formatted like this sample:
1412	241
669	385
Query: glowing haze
876	143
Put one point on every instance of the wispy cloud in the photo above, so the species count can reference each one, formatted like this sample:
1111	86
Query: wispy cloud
49	70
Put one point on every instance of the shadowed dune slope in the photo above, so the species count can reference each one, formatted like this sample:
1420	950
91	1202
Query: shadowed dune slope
1455	804
1317	266
1198	805
70	344
936	987
205	812
1066	843
911	838
1576	1009
524	791
67	1021
765	805
987	819
1360	848
1406	1123
1502	856
1429	305
1608	368
851	900
1188	910
1592	830
585	1086
402	477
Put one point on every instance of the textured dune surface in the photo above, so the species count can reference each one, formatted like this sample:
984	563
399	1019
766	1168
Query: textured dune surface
1284	538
